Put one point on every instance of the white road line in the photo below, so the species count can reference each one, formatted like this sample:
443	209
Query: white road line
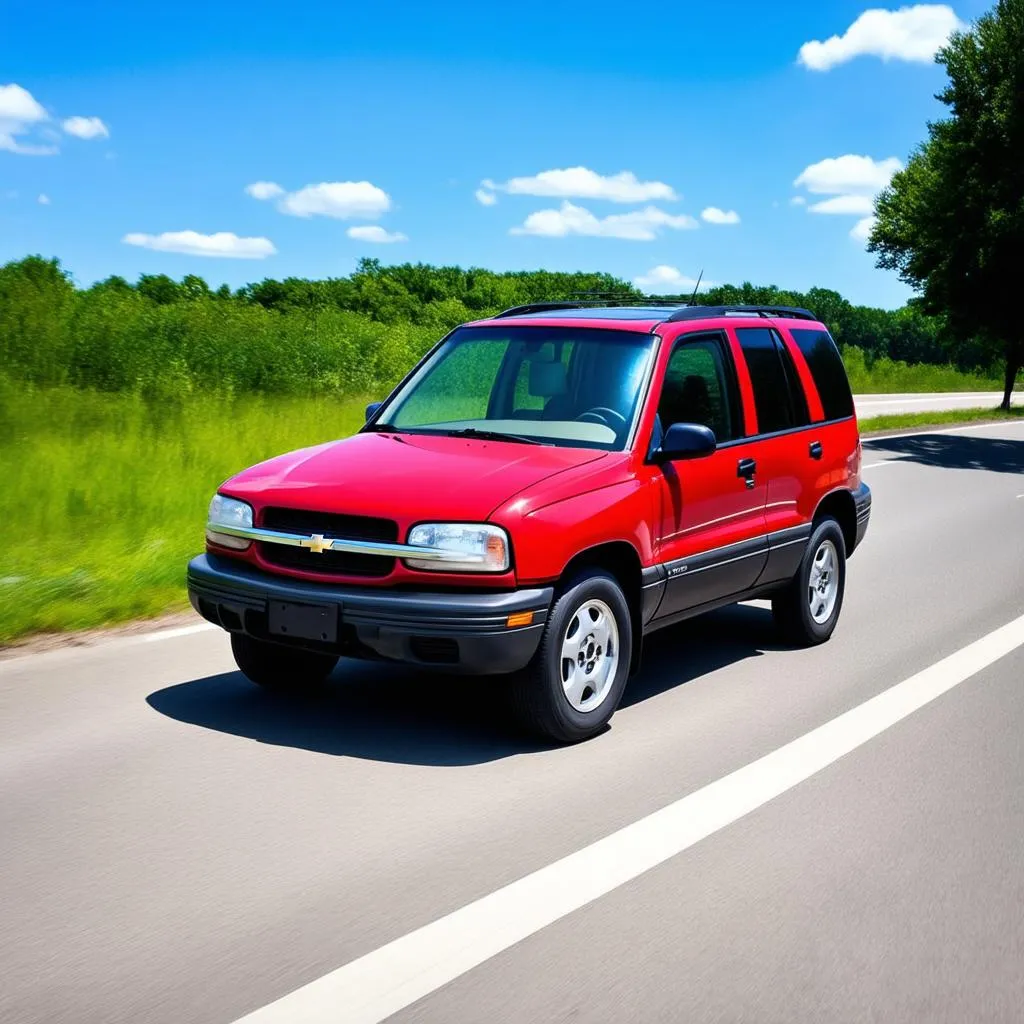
112	644
888	462
384	981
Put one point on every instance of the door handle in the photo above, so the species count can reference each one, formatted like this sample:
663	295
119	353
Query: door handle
747	468
816	451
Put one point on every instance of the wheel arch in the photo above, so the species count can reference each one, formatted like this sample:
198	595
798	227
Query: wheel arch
840	506
622	561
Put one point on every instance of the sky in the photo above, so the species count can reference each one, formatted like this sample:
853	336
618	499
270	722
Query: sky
245	141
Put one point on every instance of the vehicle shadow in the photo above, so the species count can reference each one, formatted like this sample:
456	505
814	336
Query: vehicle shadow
954	451
391	713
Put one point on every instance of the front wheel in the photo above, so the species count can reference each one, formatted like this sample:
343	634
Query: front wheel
277	667
807	611
574	683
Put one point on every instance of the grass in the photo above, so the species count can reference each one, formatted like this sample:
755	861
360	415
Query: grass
104	496
902	421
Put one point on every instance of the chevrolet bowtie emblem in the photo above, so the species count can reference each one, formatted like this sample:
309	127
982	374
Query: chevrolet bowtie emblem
317	544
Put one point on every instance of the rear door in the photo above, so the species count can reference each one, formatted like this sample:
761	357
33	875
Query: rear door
781	446
709	519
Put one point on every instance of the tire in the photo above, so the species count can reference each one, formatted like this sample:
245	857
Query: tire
280	668
806	617
566	706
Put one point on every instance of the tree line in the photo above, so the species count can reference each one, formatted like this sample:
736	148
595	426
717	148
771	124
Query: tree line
351	335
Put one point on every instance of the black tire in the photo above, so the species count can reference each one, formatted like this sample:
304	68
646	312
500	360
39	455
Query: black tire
538	695
791	607
280	668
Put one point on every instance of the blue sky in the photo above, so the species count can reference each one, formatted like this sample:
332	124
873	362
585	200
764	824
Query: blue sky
403	110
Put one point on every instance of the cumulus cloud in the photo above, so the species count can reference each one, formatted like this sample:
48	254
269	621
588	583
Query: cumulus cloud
910	34
343	200
861	231
264	190
583	183
485	198
85	127
798	201
43	199
713	215
637	225
849	174
858	205
20	112
375	233
666	280
224	244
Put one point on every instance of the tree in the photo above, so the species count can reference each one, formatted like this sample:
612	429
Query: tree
952	222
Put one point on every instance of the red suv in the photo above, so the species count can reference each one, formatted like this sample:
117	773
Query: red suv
541	491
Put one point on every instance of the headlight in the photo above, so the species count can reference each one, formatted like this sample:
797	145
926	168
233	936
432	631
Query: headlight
482	548
228	512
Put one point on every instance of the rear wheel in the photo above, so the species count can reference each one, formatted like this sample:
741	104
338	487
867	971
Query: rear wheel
807	611
574	683
278	667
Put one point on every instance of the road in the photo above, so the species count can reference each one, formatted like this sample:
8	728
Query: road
181	848
884	405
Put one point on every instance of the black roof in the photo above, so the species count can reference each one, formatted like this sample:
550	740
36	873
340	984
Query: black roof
667	313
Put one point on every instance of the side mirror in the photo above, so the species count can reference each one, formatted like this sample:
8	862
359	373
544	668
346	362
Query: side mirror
371	409
686	441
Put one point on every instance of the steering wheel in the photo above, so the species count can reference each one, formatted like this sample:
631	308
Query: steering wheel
602	414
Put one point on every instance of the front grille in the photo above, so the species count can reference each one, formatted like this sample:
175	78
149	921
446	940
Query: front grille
342	527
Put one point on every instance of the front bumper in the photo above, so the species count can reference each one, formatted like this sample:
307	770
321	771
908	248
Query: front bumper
460	632
862	506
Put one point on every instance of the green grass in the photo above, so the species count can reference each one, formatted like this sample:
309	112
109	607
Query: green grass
104	496
901	421
888	376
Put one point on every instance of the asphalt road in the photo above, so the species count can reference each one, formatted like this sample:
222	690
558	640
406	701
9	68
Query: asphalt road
884	405
178	847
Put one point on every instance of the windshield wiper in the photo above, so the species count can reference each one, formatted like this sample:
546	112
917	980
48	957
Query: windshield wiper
491	435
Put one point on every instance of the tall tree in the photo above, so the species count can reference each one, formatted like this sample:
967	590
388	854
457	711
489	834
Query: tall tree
952	222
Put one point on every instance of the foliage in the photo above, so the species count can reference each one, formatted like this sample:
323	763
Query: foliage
905	420
952	222
344	336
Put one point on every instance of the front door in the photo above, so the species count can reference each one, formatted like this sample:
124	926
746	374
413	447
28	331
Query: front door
710	512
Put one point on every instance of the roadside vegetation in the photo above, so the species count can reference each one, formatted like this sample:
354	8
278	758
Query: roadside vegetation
909	420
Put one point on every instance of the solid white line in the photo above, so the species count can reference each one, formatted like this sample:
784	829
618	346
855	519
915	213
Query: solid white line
888	462
384	981
112	644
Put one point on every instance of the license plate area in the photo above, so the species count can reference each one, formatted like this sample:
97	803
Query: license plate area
303	621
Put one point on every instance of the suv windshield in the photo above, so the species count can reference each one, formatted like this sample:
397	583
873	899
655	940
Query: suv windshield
578	387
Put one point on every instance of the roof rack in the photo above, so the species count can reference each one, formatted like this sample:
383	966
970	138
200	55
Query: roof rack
699	312
537	307
588	300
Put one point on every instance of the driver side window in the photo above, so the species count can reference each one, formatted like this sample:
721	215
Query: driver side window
697	389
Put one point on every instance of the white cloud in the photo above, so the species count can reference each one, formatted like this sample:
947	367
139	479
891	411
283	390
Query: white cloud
485	198
911	34
798	201
848	174
86	128
666	280
583	183
43	200
637	225
264	190
375	233
713	215
342	200
19	113
862	229
861	206
223	243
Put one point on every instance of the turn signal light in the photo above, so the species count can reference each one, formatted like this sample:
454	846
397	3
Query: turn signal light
519	619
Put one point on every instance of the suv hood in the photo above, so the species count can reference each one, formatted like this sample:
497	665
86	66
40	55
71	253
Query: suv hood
407	477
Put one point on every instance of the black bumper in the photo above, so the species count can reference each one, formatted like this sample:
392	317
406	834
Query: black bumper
461	632
862	505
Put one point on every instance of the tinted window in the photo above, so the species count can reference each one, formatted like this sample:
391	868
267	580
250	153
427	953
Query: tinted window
697	390
801	414
826	366
768	377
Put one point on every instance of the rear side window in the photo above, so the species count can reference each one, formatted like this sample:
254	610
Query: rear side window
826	366
778	397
